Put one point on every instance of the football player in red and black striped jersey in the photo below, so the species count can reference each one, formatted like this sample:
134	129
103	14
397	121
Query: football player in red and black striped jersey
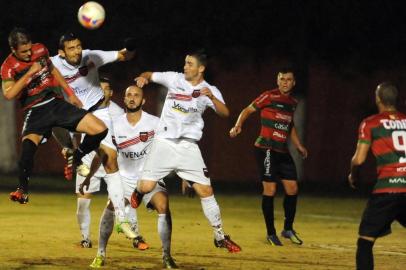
275	164
385	134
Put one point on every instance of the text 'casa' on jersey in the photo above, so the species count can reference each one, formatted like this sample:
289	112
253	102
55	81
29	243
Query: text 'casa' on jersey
277	112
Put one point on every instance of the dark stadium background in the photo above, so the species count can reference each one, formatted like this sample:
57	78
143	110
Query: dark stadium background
341	49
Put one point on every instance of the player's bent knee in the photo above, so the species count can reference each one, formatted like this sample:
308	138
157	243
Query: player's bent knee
145	186
91	125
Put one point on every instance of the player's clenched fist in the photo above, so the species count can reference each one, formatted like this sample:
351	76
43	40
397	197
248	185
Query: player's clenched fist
141	81
235	131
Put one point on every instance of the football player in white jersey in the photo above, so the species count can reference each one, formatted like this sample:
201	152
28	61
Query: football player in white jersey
83	201
80	69
133	134
175	146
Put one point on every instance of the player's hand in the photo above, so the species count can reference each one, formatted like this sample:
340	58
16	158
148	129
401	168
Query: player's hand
303	151
85	185
234	131
74	100
351	181
141	81
206	92
187	189
36	66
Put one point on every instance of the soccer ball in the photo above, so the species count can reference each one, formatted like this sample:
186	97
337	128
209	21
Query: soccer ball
91	15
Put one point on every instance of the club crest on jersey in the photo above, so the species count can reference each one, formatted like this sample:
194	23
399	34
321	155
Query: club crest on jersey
143	136
206	172
196	93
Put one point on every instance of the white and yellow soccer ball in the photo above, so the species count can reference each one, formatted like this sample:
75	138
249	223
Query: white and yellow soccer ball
91	15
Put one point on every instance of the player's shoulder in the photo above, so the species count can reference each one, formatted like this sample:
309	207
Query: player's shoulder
147	117
9	61
372	119
39	49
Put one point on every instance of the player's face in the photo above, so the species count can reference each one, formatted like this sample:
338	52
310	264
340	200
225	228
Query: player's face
286	81
134	98
192	68
108	92
72	52
23	52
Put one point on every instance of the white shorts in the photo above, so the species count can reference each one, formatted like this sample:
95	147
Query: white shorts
130	184
181	156
95	180
104	115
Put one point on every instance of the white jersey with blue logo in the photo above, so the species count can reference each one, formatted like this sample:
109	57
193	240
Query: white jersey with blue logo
133	143
84	78
182	112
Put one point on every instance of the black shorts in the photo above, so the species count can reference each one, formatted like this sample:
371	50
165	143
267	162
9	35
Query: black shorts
275	166
56	113
381	211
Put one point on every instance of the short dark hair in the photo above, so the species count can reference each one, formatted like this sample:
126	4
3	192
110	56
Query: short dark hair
104	79
287	69
18	36
387	93
200	55
66	37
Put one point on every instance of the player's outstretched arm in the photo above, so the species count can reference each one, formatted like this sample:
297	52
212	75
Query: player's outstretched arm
11	88
357	160
296	142
143	79
245	113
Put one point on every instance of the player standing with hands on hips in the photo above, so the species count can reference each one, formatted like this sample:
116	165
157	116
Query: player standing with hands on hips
275	164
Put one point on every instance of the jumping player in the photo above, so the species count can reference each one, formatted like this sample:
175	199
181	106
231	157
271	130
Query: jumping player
385	134
133	134
277	107
29	76
180	128
80	69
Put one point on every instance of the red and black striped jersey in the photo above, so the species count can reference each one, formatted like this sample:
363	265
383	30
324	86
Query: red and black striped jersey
276	119
386	133
41	85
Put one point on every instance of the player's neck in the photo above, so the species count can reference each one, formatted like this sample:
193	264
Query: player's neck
196	81
383	109
134	117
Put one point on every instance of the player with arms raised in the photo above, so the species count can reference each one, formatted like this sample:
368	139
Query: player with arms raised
80	69
385	134
29	76
180	128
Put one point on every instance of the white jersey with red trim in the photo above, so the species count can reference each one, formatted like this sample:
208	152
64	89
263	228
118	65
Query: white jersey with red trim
84	78
133	143
182	112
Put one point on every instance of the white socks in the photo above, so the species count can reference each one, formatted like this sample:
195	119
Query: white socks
105	230
83	216
116	194
131	215
212	212
165	232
